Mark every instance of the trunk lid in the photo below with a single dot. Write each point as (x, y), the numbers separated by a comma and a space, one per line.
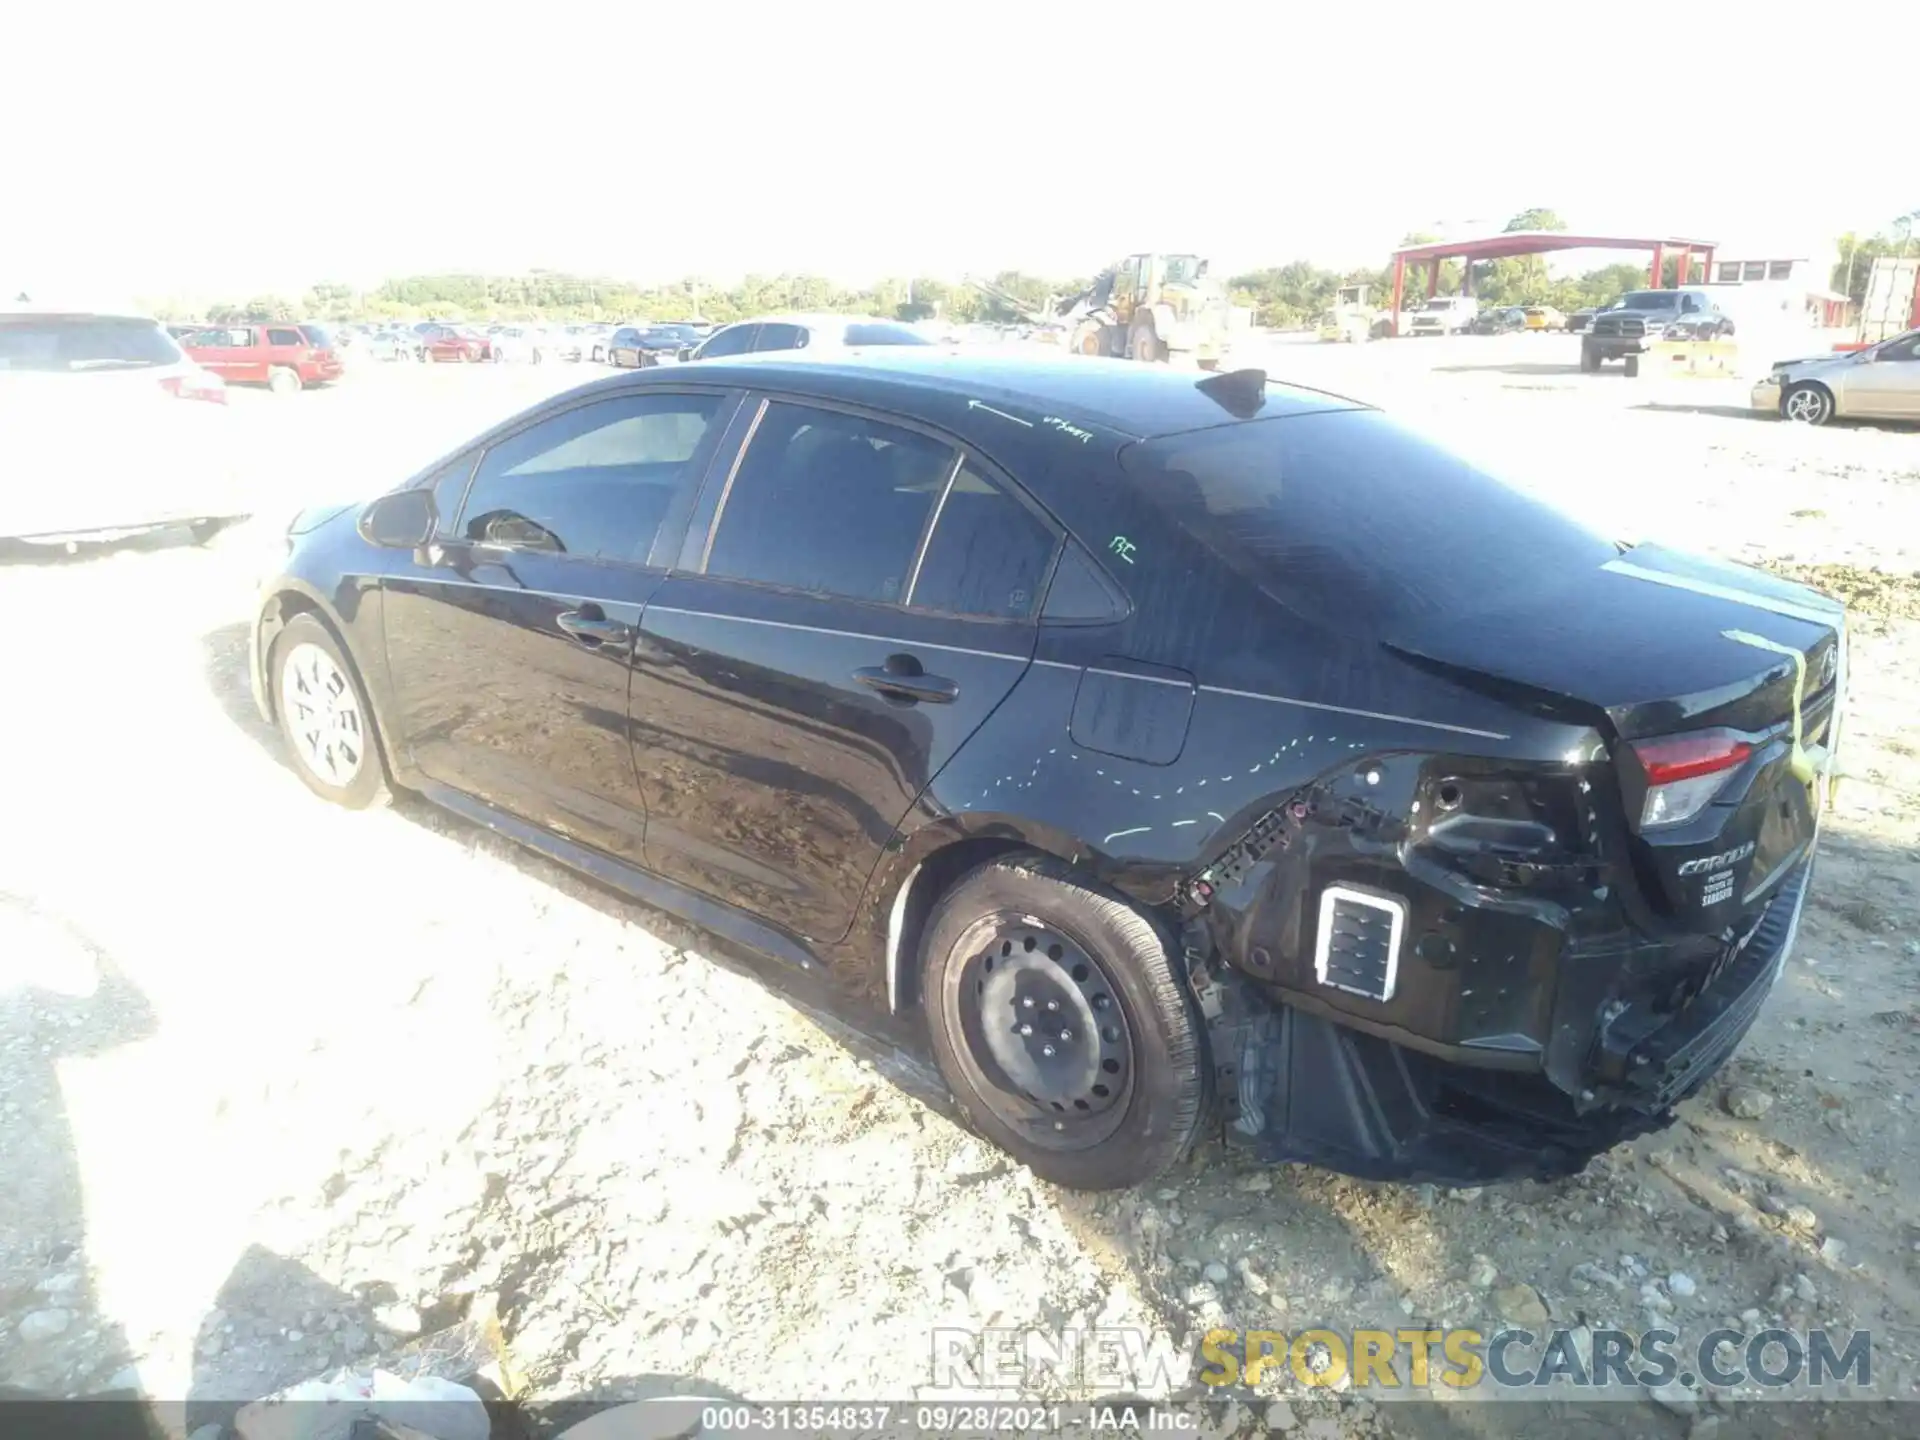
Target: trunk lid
(1663, 644)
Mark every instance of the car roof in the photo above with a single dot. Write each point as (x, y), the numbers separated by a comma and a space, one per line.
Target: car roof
(818, 320)
(1122, 396)
(30, 311)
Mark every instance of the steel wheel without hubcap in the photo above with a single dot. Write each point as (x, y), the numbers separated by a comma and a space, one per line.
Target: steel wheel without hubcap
(323, 716)
(1045, 1041)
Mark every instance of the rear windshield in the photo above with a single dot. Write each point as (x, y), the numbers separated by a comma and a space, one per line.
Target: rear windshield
(84, 342)
(885, 335)
(1353, 520)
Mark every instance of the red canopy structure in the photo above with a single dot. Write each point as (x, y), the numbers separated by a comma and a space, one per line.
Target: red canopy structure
(1540, 242)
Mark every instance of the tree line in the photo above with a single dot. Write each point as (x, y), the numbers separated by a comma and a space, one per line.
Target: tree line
(1283, 297)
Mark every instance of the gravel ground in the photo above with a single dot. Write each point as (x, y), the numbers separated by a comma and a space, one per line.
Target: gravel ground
(279, 1083)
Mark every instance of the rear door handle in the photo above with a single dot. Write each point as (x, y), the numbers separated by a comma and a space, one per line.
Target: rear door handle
(897, 681)
(591, 627)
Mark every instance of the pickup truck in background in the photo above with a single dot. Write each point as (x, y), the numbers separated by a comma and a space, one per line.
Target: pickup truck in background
(285, 358)
(1446, 315)
(1640, 318)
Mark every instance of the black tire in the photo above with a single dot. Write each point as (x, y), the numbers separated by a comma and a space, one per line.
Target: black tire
(1140, 1028)
(1145, 345)
(368, 786)
(1589, 361)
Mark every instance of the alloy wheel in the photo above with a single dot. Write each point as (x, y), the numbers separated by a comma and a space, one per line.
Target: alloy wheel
(1807, 405)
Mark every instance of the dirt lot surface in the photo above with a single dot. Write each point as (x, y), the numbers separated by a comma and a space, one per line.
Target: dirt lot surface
(279, 1082)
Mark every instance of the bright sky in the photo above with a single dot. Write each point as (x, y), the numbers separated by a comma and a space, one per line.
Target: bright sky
(221, 150)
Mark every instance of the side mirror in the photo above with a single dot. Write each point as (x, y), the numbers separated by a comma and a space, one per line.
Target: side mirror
(403, 520)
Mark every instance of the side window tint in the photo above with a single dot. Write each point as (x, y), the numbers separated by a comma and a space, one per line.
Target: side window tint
(1078, 593)
(780, 337)
(829, 503)
(595, 481)
(987, 556)
(285, 337)
(736, 340)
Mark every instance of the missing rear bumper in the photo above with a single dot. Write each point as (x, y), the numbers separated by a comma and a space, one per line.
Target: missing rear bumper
(1303, 1087)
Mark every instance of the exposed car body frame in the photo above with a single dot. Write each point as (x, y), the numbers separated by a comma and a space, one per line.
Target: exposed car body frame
(1226, 763)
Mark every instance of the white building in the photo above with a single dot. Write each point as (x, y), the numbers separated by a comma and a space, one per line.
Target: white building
(1785, 285)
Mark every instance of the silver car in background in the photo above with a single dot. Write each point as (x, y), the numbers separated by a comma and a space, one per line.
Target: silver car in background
(110, 430)
(1881, 382)
(803, 332)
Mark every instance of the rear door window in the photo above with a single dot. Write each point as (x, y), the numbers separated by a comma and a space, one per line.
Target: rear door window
(987, 555)
(285, 337)
(596, 481)
(1353, 520)
(734, 340)
(884, 334)
(780, 337)
(829, 503)
(84, 342)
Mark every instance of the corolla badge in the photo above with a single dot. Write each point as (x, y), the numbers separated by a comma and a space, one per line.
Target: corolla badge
(1718, 862)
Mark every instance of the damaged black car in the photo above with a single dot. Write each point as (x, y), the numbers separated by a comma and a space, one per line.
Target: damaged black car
(1155, 751)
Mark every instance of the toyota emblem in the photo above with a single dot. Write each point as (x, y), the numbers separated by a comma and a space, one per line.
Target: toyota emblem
(1829, 663)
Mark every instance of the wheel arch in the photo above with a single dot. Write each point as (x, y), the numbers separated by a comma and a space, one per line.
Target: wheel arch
(288, 599)
(1833, 397)
(931, 861)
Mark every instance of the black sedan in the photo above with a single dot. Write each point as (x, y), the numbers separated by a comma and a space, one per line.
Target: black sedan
(1139, 744)
(638, 346)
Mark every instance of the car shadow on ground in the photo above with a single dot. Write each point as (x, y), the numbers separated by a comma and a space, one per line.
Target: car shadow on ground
(1748, 412)
(1724, 412)
(1517, 367)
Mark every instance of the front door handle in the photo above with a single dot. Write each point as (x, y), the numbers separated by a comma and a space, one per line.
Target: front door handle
(591, 627)
(901, 679)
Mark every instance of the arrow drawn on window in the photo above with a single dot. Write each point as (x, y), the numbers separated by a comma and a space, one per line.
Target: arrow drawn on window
(982, 405)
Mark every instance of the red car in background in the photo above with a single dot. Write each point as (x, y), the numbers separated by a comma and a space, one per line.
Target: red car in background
(283, 357)
(450, 342)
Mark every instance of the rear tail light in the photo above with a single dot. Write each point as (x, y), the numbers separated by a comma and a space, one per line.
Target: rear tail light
(1685, 772)
(201, 386)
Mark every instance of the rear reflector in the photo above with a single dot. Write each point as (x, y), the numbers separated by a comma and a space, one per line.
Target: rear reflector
(1685, 772)
(1358, 947)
